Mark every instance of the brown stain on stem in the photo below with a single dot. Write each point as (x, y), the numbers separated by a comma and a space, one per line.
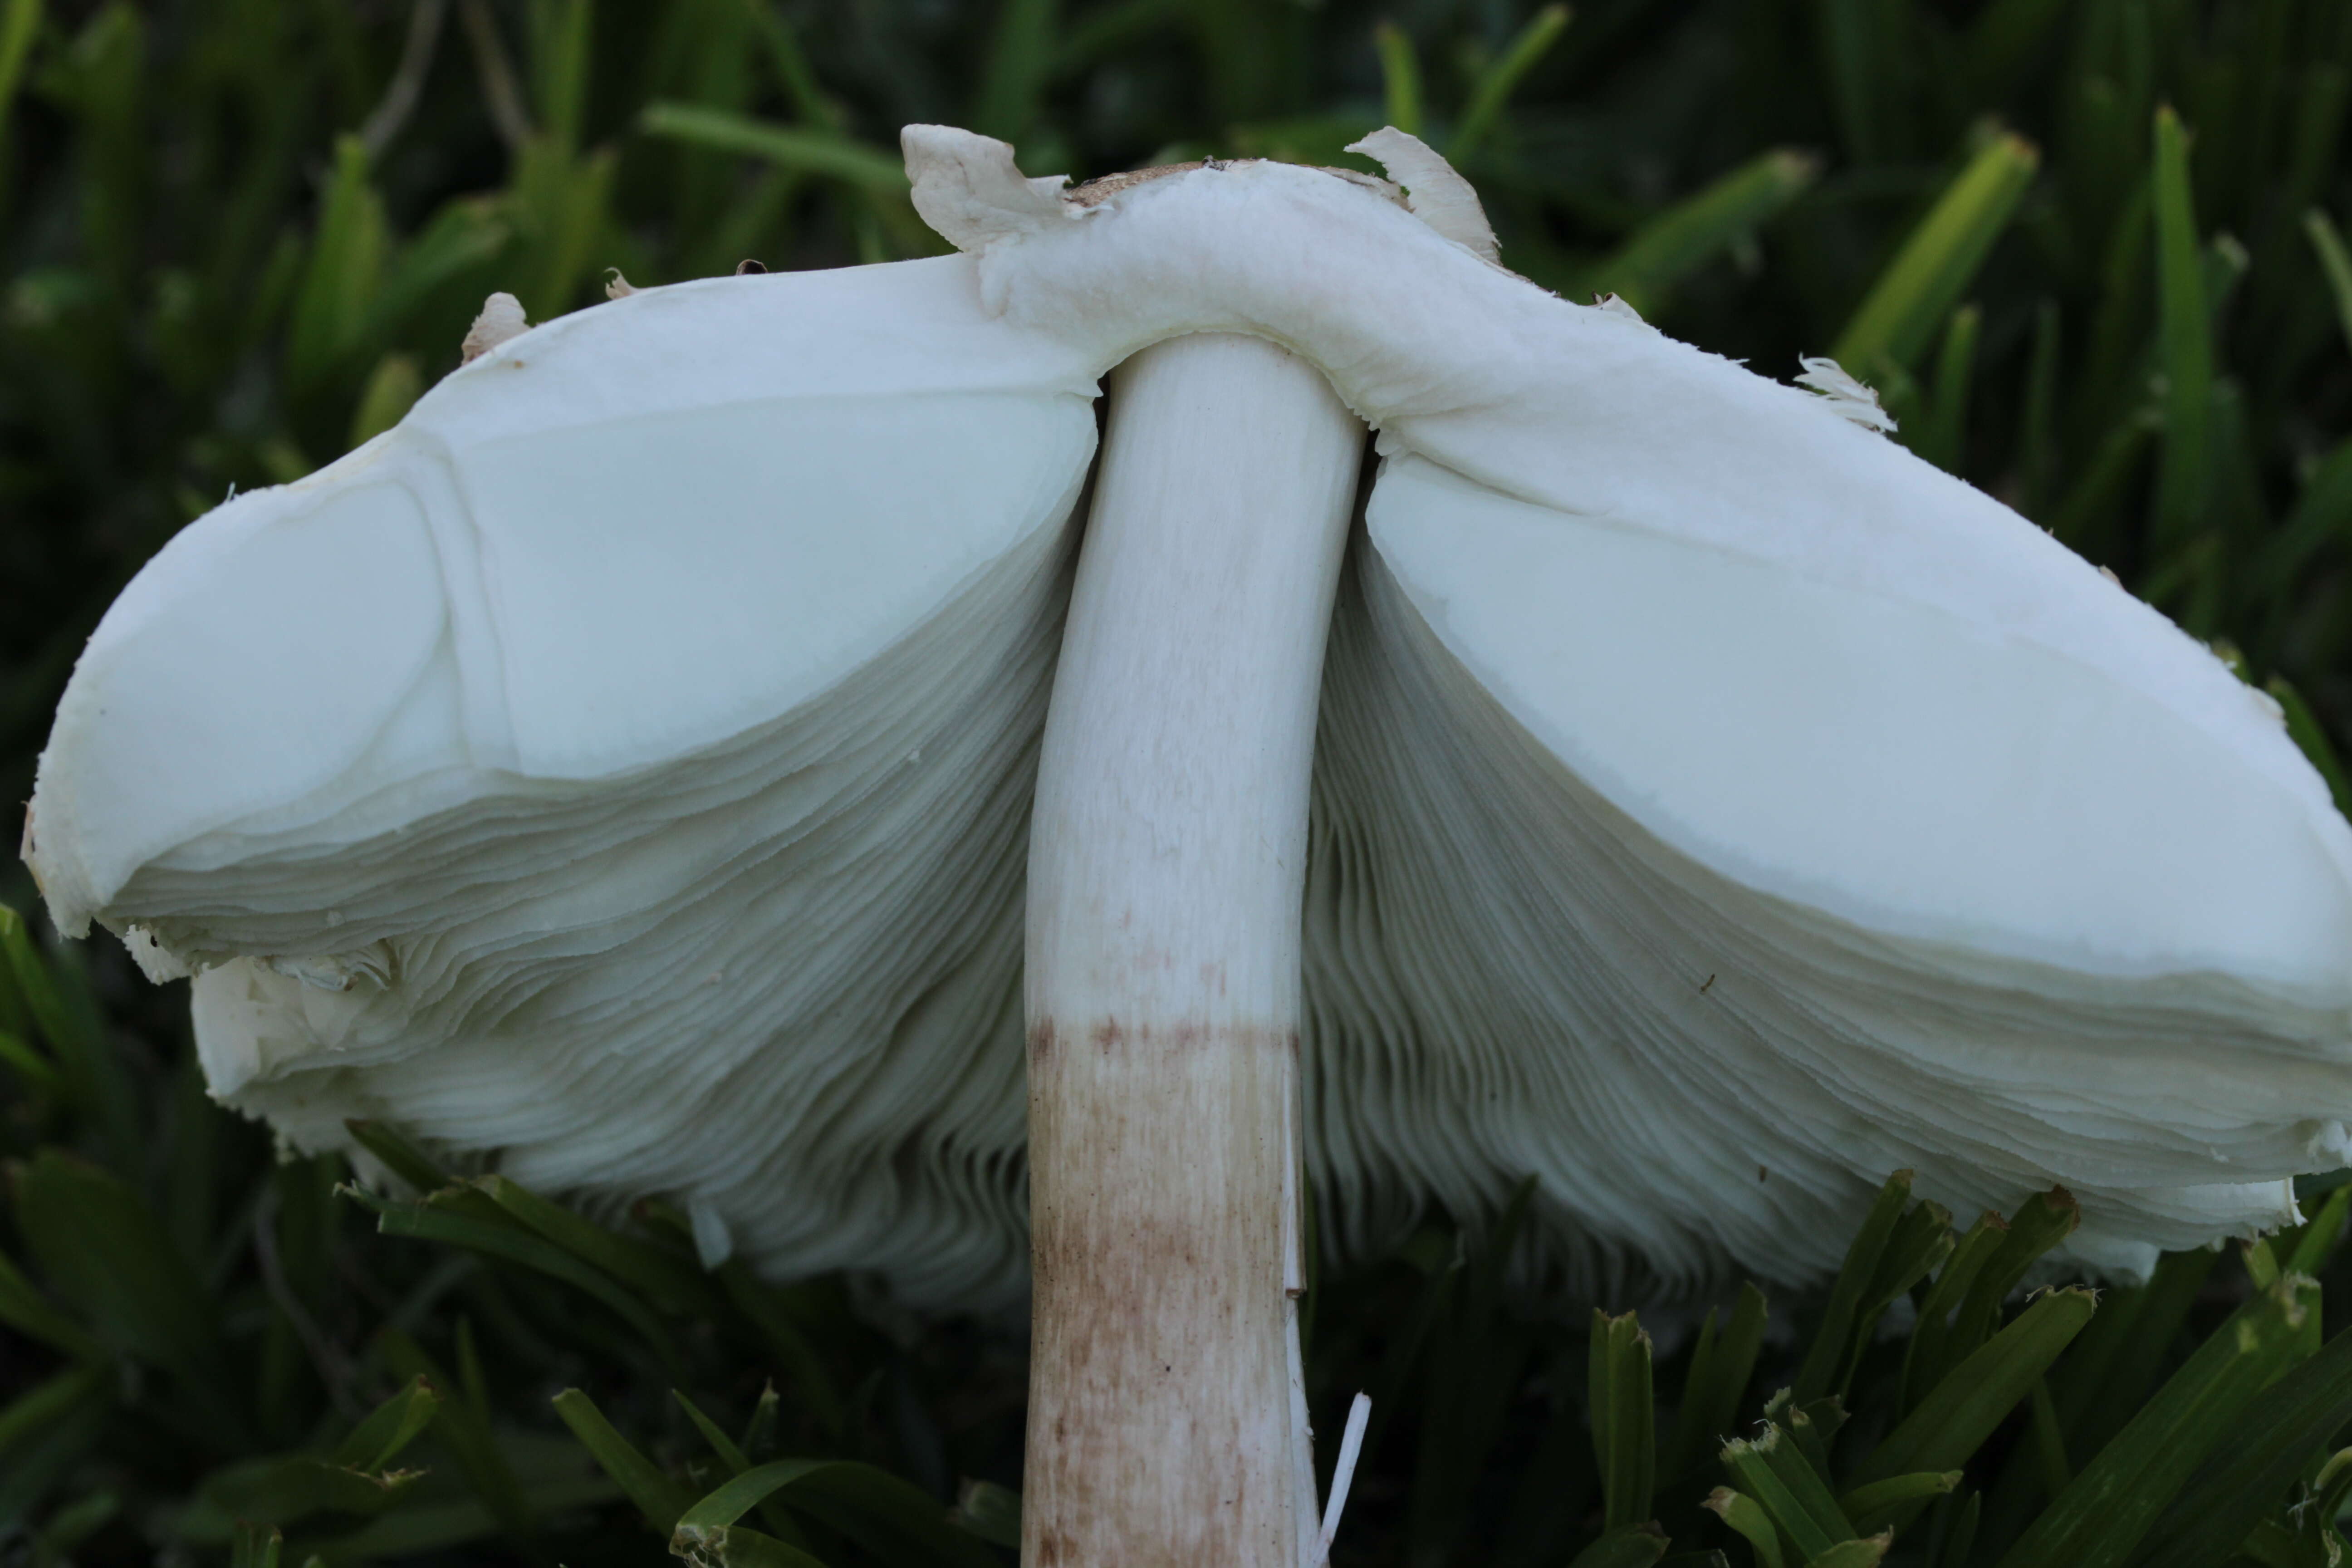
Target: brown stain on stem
(1157, 1194)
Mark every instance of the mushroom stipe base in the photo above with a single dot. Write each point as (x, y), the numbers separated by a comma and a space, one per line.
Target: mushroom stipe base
(1161, 1401)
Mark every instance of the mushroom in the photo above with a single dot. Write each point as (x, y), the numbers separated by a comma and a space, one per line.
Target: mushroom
(1656, 783)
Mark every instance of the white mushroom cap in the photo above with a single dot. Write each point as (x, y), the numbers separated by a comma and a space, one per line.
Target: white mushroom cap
(621, 765)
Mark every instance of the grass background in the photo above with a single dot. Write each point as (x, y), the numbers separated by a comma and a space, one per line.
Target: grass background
(2086, 250)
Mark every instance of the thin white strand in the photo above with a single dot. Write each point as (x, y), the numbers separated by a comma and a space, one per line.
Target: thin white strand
(1343, 1473)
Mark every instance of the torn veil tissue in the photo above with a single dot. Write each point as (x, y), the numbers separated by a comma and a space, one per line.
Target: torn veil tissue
(1848, 397)
(714, 1240)
(501, 320)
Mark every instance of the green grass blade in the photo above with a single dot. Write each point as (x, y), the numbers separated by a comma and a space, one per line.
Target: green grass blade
(1893, 1503)
(1495, 85)
(462, 1425)
(2037, 436)
(2334, 265)
(1799, 1467)
(2322, 516)
(561, 202)
(2226, 263)
(286, 1491)
(399, 1156)
(778, 1522)
(2262, 1264)
(257, 1546)
(462, 242)
(1787, 1513)
(1694, 231)
(759, 1429)
(990, 1512)
(821, 153)
(2100, 1519)
(1622, 1415)
(732, 1546)
(1854, 71)
(1959, 1538)
(2041, 1223)
(421, 1526)
(1020, 57)
(1316, 139)
(2049, 1441)
(1400, 95)
(1923, 1358)
(1942, 436)
(2304, 726)
(2088, 516)
(20, 24)
(562, 31)
(1553, 1497)
(1811, 1427)
(73, 1524)
(69, 1024)
(888, 1518)
(1937, 262)
(792, 66)
(2185, 344)
(346, 263)
(1776, 1473)
(1720, 1372)
(1746, 1516)
(2118, 1357)
(2283, 1431)
(2189, 579)
(2314, 135)
(1955, 1415)
(803, 1369)
(49, 1402)
(2332, 1486)
(661, 1500)
(24, 1308)
(1922, 1241)
(1633, 1546)
(515, 1243)
(669, 1281)
(2324, 1232)
(1826, 1359)
(738, 1496)
(391, 391)
(16, 1012)
(376, 1441)
(98, 1245)
(713, 1433)
(1858, 1553)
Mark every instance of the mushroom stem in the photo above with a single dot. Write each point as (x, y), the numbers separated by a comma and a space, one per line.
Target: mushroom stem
(1167, 1416)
